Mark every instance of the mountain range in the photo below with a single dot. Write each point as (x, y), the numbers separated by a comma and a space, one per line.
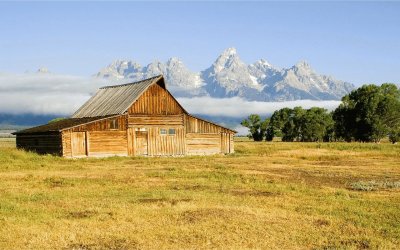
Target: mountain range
(229, 76)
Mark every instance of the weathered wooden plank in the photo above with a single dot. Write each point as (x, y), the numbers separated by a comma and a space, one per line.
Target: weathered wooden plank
(142, 143)
(130, 141)
(203, 135)
(151, 102)
(197, 143)
(87, 143)
(78, 145)
(231, 144)
(149, 120)
(108, 142)
(66, 143)
(165, 144)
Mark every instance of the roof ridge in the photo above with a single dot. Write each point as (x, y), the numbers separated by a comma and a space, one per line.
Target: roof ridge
(131, 83)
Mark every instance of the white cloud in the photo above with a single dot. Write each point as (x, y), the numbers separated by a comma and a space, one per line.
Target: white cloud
(40, 93)
(45, 93)
(237, 107)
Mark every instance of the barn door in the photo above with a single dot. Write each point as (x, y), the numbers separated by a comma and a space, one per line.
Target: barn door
(141, 143)
(78, 143)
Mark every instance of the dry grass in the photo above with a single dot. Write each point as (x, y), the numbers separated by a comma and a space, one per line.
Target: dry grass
(266, 195)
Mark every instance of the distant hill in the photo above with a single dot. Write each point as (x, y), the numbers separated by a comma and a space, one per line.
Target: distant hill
(21, 121)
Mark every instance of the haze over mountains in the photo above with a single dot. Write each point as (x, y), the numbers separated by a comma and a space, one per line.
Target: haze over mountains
(229, 77)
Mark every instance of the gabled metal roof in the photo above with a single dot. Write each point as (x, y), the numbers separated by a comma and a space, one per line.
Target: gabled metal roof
(114, 100)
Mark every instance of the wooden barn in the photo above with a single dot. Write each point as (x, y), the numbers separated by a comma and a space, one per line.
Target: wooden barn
(135, 119)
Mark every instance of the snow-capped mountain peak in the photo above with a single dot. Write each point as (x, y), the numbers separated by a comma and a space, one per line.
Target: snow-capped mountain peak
(227, 59)
(229, 76)
(303, 67)
(264, 63)
(229, 52)
(302, 64)
(119, 69)
(174, 60)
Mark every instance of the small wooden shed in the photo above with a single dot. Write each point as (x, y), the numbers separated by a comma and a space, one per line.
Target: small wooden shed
(135, 119)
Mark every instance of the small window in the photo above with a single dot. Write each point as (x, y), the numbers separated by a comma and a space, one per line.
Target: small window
(114, 124)
(171, 131)
(163, 131)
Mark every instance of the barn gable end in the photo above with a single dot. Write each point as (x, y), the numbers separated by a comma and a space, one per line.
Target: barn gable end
(151, 121)
(156, 101)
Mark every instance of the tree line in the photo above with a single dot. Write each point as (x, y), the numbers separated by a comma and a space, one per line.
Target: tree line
(367, 114)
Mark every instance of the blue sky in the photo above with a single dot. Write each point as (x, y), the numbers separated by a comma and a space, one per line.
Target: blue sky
(357, 41)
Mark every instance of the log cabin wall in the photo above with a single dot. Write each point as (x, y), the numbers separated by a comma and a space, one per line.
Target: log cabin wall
(42, 143)
(203, 143)
(195, 125)
(100, 138)
(104, 143)
(203, 137)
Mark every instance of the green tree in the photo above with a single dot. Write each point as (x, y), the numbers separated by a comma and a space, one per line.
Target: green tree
(278, 120)
(291, 130)
(314, 124)
(394, 135)
(269, 131)
(343, 118)
(306, 125)
(368, 113)
(256, 127)
(329, 135)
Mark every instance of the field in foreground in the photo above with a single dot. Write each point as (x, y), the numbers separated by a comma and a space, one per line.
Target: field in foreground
(266, 195)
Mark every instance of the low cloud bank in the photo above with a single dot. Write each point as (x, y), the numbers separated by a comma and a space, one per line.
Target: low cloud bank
(52, 94)
(237, 107)
(44, 93)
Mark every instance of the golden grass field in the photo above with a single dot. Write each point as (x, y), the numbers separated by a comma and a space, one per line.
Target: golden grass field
(267, 195)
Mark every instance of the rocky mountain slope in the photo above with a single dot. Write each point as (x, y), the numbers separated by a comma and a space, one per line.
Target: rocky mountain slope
(229, 76)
